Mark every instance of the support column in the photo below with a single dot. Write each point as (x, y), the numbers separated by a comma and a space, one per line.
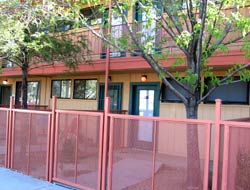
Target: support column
(216, 143)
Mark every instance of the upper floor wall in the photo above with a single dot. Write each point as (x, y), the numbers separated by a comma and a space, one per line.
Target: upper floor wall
(97, 48)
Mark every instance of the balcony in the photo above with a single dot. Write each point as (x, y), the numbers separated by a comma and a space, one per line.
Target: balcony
(96, 53)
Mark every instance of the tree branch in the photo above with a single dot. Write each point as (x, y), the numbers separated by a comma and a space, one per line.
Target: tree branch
(224, 33)
(172, 37)
(199, 46)
(223, 81)
(157, 69)
(236, 39)
(214, 24)
(174, 18)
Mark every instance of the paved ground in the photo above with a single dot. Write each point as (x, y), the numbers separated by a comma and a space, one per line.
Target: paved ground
(11, 180)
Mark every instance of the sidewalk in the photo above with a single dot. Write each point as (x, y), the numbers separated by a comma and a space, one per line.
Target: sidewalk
(11, 180)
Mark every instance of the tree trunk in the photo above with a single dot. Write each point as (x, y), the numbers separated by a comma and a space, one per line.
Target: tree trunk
(24, 84)
(194, 180)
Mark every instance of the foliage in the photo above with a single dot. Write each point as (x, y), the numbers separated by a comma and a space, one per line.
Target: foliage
(195, 31)
(37, 33)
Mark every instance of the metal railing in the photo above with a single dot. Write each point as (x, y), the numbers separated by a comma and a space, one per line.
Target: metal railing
(84, 150)
(78, 148)
(161, 41)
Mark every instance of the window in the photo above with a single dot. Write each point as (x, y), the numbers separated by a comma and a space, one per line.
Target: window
(85, 89)
(61, 88)
(93, 15)
(233, 93)
(148, 33)
(168, 96)
(7, 64)
(33, 93)
(62, 25)
(117, 32)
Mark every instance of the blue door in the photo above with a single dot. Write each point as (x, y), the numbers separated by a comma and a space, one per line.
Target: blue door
(144, 101)
(115, 94)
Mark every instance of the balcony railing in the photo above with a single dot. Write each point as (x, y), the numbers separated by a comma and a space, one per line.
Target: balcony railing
(161, 41)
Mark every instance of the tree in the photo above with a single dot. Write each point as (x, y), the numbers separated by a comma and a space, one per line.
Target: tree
(32, 35)
(197, 30)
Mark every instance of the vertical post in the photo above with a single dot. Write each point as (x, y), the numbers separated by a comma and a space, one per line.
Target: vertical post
(207, 157)
(216, 143)
(29, 143)
(105, 142)
(51, 140)
(76, 150)
(106, 105)
(154, 154)
(12, 134)
(110, 157)
(225, 158)
(8, 132)
(100, 153)
(48, 149)
(108, 52)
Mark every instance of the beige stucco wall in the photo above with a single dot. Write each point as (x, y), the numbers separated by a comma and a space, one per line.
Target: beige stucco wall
(171, 137)
(169, 110)
(43, 86)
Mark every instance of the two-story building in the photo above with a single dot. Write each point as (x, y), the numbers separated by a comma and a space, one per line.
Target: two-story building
(133, 86)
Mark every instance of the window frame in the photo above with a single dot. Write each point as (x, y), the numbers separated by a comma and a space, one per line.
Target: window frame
(91, 12)
(85, 82)
(38, 92)
(51, 95)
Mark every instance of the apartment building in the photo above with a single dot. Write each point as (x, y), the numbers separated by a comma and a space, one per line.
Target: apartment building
(133, 86)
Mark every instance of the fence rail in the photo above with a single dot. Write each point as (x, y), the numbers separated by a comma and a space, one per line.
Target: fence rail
(99, 151)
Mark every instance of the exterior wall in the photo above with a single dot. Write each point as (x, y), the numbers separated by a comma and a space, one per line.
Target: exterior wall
(206, 111)
(170, 110)
(43, 86)
(124, 78)
(71, 103)
(172, 138)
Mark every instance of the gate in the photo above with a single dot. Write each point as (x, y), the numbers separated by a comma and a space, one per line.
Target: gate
(78, 148)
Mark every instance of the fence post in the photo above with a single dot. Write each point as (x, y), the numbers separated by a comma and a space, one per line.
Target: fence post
(105, 143)
(9, 132)
(51, 139)
(216, 143)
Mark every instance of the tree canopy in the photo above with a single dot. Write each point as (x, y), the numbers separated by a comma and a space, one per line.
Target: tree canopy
(36, 34)
(185, 33)
(189, 31)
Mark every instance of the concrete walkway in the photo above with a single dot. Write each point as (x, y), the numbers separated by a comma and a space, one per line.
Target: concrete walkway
(11, 180)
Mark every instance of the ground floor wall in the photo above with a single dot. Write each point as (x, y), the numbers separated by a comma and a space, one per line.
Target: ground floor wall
(166, 109)
(172, 139)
